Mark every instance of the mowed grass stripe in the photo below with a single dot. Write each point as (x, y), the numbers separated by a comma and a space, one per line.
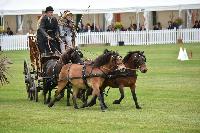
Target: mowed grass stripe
(169, 94)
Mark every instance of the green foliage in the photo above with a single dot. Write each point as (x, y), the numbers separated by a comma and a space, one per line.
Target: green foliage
(168, 93)
(118, 25)
(179, 21)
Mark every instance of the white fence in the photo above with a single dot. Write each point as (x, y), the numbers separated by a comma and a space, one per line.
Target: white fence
(19, 42)
(139, 37)
(15, 42)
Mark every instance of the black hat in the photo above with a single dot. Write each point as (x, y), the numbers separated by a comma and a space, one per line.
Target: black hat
(49, 8)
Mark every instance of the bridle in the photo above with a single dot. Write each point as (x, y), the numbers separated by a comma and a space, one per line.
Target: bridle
(137, 62)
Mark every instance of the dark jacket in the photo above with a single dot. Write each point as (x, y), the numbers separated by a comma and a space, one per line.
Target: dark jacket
(48, 27)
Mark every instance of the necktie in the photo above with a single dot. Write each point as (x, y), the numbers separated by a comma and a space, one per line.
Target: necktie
(50, 19)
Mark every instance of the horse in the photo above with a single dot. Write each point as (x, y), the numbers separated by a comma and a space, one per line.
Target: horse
(88, 76)
(52, 68)
(133, 61)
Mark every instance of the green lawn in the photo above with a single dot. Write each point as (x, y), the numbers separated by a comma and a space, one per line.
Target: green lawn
(169, 94)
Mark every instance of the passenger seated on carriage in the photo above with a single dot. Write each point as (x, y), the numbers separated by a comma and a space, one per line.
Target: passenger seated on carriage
(66, 30)
(48, 33)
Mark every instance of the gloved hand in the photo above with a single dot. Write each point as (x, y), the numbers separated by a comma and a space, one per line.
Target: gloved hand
(49, 38)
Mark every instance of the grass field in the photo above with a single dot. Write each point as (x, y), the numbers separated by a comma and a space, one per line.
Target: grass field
(169, 94)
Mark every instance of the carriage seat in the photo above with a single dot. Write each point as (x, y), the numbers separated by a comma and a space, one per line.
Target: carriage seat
(45, 57)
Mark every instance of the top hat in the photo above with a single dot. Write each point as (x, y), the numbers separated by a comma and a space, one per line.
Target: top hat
(49, 8)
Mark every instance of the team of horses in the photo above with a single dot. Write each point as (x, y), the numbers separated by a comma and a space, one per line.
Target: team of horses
(83, 78)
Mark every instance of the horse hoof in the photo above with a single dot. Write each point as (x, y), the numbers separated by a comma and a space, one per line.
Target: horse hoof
(105, 106)
(68, 104)
(138, 107)
(76, 107)
(103, 110)
(116, 102)
(84, 105)
(91, 104)
(50, 105)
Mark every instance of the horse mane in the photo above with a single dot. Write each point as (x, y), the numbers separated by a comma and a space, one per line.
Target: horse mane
(126, 58)
(65, 57)
(104, 58)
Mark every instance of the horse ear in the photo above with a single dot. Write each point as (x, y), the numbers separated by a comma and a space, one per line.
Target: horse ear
(142, 52)
(105, 51)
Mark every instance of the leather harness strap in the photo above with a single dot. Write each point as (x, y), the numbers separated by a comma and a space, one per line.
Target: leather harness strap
(84, 77)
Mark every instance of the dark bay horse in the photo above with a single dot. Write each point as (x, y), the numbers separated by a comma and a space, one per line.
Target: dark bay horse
(52, 68)
(133, 61)
(88, 76)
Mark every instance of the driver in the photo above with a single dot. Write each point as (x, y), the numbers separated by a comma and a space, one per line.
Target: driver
(48, 33)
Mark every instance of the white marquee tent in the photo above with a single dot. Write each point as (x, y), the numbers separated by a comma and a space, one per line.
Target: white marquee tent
(20, 7)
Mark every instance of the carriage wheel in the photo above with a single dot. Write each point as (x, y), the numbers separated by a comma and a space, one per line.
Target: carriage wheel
(27, 78)
(35, 92)
(30, 83)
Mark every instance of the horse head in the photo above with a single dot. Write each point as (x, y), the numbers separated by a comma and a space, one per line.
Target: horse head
(110, 60)
(73, 55)
(136, 60)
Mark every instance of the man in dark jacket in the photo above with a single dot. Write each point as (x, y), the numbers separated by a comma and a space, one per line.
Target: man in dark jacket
(48, 33)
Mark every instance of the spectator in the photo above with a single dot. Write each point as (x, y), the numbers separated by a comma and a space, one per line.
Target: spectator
(142, 28)
(134, 27)
(30, 32)
(175, 25)
(159, 26)
(170, 26)
(9, 31)
(155, 27)
(87, 28)
(196, 25)
(131, 28)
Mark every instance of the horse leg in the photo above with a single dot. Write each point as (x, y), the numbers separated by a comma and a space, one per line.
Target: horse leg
(121, 90)
(57, 96)
(96, 92)
(49, 96)
(84, 98)
(102, 95)
(74, 98)
(68, 96)
(46, 88)
(45, 92)
(135, 97)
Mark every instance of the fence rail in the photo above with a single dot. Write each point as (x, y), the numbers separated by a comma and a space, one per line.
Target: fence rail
(20, 42)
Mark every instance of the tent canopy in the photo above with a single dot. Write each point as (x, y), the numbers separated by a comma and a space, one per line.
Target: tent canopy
(19, 7)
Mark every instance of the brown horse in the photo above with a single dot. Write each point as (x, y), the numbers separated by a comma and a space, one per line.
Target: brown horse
(52, 68)
(133, 61)
(88, 76)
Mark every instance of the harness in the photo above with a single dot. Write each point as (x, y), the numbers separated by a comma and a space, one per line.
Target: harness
(85, 76)
(117, 74)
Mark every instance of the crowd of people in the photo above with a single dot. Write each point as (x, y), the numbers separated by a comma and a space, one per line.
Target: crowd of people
(132, 27)
(7, 32)
(197, 24)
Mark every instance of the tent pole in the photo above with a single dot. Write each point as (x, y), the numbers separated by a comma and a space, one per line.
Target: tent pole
(2, 17)
(138, 20)
(94, 23)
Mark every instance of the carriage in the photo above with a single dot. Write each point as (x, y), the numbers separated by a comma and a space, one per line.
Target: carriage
(103, 69)
(33, 73)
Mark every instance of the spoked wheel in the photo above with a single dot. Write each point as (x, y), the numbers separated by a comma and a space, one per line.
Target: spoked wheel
(30, 83)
